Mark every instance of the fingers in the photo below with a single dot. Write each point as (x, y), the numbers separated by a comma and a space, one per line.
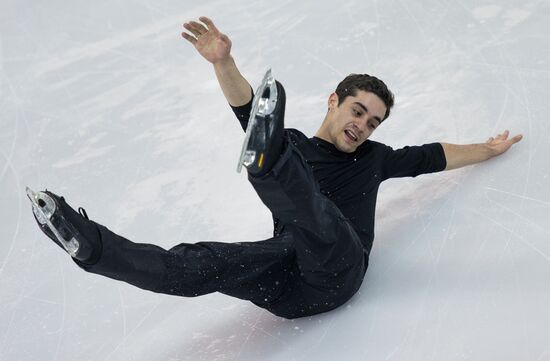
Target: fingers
(199, 29)
(514, 139)
(503, 136)
(209, 23)
(188, 37)
(195, 28)
(517, 138)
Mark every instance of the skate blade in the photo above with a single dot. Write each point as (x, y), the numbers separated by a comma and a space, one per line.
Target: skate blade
(43, 207)
(262, 105)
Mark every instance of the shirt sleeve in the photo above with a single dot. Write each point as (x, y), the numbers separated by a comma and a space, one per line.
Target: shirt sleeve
(243, 112)
(411, 161)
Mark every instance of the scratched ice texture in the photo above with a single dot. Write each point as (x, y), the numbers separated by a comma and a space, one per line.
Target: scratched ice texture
(106, 104)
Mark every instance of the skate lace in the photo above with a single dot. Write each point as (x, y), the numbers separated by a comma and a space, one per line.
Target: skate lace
(83, 213)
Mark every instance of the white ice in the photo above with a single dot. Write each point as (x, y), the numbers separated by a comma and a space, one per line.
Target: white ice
(106, 104)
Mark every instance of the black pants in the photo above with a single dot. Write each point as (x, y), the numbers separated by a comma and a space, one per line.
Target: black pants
(314, 263)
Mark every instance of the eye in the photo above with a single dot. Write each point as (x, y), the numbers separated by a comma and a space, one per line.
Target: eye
(357, 113)
(372, 126)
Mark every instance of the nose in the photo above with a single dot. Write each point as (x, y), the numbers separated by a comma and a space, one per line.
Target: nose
(359, 128)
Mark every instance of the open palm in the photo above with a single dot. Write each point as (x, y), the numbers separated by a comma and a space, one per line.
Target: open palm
(501, 143)
(208, 40)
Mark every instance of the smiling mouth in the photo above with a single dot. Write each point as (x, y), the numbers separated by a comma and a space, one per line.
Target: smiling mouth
(350, 135)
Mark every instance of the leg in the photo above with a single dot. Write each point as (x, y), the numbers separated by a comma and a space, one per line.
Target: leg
(329, 252)
(253, 271)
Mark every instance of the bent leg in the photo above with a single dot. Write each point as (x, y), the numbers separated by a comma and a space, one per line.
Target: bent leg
(254, 271)
(327, 246)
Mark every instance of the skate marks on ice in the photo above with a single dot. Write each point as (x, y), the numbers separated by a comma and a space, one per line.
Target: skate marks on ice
(106, 105)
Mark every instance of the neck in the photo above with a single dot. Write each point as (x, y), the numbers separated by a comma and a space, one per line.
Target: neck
(322, 132)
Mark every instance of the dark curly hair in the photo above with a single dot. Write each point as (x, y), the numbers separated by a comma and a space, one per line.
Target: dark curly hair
(354, 82)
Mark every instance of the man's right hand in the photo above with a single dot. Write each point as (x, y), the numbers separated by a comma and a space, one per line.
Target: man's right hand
(216, 47)
(209, 42)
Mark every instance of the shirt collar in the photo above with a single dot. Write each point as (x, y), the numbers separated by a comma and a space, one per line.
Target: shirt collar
(331, 148)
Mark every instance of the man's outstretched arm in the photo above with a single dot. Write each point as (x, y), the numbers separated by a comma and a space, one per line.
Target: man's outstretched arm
(216, 48)
(462, 155)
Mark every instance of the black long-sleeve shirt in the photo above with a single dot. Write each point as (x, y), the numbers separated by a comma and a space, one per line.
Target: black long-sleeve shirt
(351, 180)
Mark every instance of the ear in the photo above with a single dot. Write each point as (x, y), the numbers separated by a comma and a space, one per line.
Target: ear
(333, 101)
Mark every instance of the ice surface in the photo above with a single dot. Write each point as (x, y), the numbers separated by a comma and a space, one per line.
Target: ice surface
(105, 103)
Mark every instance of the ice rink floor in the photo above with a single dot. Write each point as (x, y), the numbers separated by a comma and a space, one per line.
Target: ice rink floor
(106, 104)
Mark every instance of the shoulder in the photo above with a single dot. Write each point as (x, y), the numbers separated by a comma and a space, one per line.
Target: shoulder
(371, 146)
(296, 135)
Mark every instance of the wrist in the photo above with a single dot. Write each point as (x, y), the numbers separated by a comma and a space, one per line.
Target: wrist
(488, 150)
(224, 62)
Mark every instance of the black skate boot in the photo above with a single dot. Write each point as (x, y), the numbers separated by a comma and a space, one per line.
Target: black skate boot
(264, 134)
(72, 231)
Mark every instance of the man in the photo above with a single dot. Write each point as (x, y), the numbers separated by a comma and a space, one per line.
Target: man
(321, 191)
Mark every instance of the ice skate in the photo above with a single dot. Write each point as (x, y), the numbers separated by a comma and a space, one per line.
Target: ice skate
(264, 133)
(72, 231)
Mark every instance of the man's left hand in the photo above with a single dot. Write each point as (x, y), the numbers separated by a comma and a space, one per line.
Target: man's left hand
(501, 143)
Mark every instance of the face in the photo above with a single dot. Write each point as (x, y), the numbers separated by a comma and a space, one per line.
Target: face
(348, 125)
